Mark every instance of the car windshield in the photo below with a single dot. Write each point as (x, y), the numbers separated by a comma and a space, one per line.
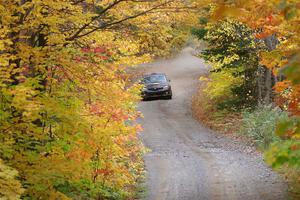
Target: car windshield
(158, 78)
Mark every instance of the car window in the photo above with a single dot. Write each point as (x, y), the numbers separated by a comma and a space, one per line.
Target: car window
(155, 79)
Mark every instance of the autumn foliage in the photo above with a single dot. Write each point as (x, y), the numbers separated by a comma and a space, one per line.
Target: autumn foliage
(68, 108)
(276, 23)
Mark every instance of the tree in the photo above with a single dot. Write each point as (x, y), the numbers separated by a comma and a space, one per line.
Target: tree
(233, 53)
(279, 20)
(67, 106)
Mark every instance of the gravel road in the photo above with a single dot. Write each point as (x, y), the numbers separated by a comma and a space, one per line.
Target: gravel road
(189, 162)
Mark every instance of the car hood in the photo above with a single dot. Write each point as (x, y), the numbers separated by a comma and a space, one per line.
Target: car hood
(155, 85)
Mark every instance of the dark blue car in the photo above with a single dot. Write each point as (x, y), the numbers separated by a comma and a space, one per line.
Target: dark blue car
(156, 85)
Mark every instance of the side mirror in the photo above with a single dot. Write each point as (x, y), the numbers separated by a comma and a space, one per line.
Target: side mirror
(169, 80)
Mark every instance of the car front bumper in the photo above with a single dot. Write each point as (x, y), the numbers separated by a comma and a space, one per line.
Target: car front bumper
(160, 93)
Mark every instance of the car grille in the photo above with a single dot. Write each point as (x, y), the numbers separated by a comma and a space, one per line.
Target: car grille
(155, 89)
(160, 93)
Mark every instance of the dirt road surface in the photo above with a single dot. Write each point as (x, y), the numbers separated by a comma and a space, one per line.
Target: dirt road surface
(190, 162)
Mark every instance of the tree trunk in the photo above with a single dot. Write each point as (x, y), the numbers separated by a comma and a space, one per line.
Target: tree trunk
(268, 87)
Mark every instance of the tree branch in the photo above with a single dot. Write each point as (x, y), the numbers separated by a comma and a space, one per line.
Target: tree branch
(93, 19)
(124, 19)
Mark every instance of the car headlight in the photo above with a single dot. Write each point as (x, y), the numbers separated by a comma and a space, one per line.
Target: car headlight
(144, 89)
(166, 87)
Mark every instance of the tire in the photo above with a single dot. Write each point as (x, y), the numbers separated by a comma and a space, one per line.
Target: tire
(170, 96)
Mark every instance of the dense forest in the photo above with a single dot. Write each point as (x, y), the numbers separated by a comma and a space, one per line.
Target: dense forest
(68, 103)
(255, 64)
(252, 89)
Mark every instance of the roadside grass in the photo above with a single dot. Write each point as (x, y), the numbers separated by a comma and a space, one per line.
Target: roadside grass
(259, 125)
(254, 127)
